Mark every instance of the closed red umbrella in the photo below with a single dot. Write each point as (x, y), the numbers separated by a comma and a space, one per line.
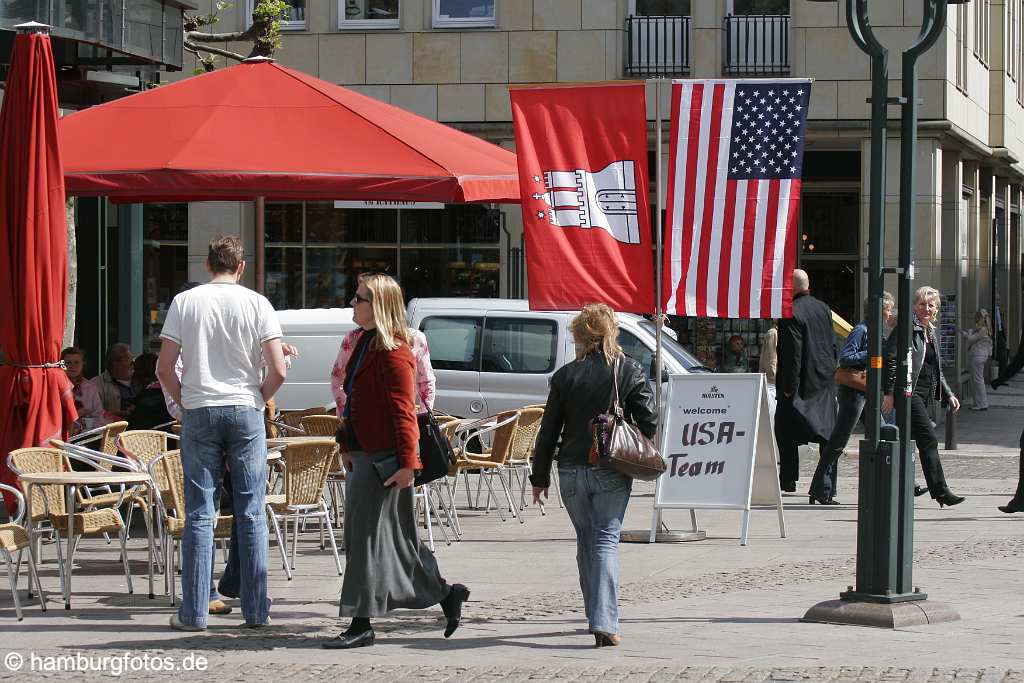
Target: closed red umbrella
(36, 403)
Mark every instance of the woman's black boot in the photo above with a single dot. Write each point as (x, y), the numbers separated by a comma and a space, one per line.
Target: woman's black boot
(948, 498)
(359, 634)
(1016, 503)
(452, 607)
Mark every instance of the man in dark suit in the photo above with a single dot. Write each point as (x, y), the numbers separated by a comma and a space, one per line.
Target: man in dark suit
(805, 388)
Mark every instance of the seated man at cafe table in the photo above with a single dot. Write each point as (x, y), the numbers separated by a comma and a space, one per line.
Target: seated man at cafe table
(114, 384)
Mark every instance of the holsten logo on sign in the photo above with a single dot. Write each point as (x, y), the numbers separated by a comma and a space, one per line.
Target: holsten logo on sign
(713, 392)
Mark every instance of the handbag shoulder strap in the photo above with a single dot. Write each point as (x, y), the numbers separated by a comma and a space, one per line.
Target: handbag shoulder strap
(616, 407)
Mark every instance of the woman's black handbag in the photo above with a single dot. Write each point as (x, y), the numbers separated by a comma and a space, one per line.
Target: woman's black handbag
(621, 446)
(436, 452)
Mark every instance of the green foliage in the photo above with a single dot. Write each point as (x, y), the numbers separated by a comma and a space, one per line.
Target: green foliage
(266, 17)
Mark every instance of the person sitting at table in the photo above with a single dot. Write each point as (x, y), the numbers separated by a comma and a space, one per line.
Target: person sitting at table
(150, 407)
(114, 385)
(87, 399)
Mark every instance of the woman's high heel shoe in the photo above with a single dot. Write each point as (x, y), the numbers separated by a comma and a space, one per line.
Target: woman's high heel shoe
(1013, 506)
(812, 499)
(948, 498)
(606, 639)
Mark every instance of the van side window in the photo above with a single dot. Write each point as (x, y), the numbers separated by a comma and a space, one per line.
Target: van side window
(454, 342)
(635, 349)
(520, 345)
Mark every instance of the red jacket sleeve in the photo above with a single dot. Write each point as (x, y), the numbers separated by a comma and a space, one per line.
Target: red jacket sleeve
(399, 379)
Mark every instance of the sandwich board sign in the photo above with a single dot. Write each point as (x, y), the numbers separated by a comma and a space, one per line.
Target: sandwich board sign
(718, 442)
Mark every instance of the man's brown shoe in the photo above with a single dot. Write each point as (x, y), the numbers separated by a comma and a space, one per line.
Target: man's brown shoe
(219, 607)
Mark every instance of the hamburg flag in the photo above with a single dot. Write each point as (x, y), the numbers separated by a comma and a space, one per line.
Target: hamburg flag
(582, 154)
(735, 164)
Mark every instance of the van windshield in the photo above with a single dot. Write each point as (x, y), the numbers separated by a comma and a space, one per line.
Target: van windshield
(674, 349)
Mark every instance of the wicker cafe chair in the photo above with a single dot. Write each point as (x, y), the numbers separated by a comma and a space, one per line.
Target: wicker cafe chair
(500, 428)
(305, 476)
(289, 422)
(14, 538)
(327, 426)
(47, 504)
(521, 454)
(167, 467)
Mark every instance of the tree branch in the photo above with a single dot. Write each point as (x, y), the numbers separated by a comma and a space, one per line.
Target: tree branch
(195, 49)
(247, 34)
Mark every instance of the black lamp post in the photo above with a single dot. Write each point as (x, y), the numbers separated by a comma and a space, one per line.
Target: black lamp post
(885, 518)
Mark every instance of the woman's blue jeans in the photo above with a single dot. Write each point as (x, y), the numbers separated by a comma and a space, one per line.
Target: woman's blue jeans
(208, 437)
(851, 404)
(596, 499)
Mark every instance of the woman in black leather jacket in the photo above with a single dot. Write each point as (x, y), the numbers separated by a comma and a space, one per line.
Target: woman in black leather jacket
(928, 385)
(595, 497)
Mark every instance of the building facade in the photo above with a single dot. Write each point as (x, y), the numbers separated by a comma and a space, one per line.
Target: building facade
(453, 60)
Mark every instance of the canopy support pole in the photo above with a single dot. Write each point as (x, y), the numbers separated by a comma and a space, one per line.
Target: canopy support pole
(260, 208)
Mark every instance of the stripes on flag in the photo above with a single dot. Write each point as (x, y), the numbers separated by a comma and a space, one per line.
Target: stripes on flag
(734, 191)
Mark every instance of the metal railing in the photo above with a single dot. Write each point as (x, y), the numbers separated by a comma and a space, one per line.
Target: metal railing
(657, 45)
(143, 31)
(757, 44)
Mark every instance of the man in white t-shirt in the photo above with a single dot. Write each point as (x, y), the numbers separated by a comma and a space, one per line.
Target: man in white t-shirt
(223, 333)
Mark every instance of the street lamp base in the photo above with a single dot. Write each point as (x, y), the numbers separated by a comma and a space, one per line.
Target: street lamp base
(644, 536)
(891, 615)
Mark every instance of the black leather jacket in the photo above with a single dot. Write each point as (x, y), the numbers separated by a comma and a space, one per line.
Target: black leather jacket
(942, 390)
(580, 391)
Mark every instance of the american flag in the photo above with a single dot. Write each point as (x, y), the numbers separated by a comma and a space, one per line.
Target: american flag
(735, 164)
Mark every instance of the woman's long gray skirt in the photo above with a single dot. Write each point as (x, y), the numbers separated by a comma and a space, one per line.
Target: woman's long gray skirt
(386, 566)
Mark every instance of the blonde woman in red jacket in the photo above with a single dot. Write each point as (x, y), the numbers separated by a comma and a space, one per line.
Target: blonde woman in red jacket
(386, 566)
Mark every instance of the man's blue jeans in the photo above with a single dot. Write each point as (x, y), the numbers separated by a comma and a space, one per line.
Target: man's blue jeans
(596, 499)
(208, 436)
(851, 404)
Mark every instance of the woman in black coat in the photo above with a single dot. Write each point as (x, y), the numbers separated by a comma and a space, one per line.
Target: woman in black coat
(595, 497)
(928, 385)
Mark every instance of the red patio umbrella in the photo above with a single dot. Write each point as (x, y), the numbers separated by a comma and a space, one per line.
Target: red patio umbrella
(36, 403)
(259, 129)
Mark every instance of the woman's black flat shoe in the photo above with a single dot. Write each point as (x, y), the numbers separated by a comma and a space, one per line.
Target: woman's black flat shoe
(812, 499)
(1013, 506)
(346, 641)
(452, 607)
(948, 498)
(920, 490)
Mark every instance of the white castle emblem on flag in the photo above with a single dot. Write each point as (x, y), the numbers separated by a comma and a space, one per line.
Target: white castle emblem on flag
(604, 199)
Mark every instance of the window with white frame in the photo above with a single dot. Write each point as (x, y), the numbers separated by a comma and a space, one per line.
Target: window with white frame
(464, 13)
(962, 48)
(982, 28)
(369, 14)
(295, 19)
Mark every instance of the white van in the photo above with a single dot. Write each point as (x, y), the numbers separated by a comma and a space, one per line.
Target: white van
(489, 355)
(317, 333)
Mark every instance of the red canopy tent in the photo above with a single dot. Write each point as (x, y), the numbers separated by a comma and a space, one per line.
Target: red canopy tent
(259, 129)
(35, 395)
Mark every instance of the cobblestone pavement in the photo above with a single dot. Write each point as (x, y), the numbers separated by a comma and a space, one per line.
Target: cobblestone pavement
(708, 611)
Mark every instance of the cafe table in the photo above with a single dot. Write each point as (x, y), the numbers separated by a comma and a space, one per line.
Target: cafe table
(71, 481)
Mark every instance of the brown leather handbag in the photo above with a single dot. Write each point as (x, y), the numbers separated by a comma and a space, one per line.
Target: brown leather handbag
(853, 378)
(622, 447)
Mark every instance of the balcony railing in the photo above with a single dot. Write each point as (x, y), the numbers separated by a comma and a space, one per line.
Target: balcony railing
(757, 44)
(657, 45)
(142, 31)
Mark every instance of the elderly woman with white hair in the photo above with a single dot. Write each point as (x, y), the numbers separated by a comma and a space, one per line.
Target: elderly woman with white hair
(927, 385)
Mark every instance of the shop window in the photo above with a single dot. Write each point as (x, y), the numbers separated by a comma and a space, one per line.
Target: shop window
(164, 263)
(464, 13)
(454, 342)
(295, 19)
(450, 271)
(520, 346)
(366, 14)
(315, 251)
